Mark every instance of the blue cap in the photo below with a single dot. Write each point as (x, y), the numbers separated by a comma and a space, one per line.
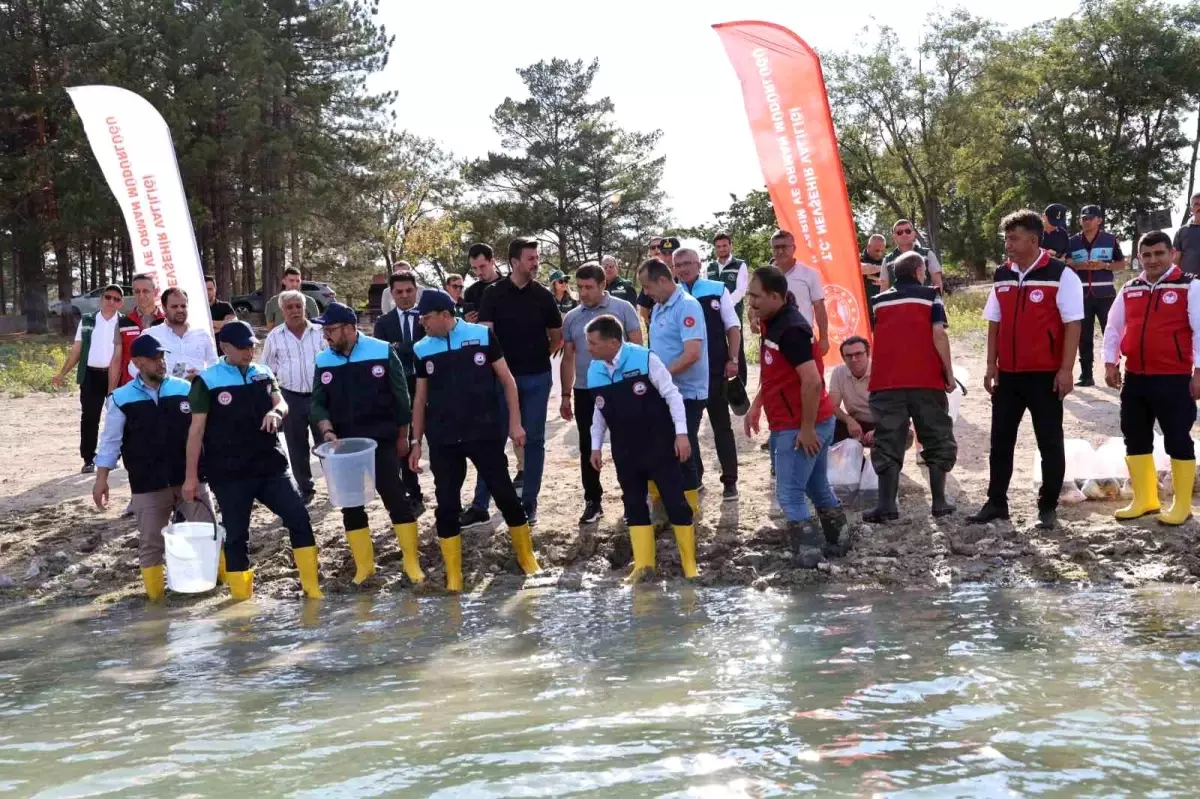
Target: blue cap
(1057, 214)
(238, 334)
(1091, 210)
(434, 300)
(146, 346)
(337, 314)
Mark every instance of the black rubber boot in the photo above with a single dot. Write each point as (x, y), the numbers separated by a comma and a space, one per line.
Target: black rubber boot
(937, 493)
(833, 524)
(988, 513)
(889, 489)
(807, 542)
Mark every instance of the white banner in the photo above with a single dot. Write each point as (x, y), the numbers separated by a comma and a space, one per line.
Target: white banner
(133, 145)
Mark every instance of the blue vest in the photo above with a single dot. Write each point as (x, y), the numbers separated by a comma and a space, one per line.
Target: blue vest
(154, 442)
(463, 398)
(1100, 282)
(708, 293)
(358, 390)
(638, 418)
(235, 445)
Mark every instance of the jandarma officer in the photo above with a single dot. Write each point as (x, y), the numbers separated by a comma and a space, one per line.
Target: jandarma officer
(360, 391)
(460, 374)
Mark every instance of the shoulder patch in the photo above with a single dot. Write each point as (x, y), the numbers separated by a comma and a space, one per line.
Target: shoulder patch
(689, 321)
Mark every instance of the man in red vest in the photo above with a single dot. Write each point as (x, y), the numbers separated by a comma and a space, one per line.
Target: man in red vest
(1153, 324)
(1033, 315)
(909, 381)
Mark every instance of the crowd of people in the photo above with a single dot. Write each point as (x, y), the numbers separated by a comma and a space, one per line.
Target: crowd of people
(451, 374)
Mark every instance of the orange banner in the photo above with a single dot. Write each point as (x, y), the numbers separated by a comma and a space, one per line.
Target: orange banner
(797, 148)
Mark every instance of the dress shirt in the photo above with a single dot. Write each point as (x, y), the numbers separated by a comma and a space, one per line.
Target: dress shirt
(113, 436)
(293, 358)
(104, 334)
(1115, 328)
(660, 378)
(193, 350)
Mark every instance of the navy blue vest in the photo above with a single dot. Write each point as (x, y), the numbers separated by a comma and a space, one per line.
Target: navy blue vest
(638, 418)
(1097, 283)
(235, 445)
(463, 400)
(154, 442)
(358, 390)
(709, 292)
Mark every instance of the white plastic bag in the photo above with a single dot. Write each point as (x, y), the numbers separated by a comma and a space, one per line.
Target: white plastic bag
(955, 398)
(1070, 494)
(1079, 459)
(868, 484)
(845, 463)
(1109, 462)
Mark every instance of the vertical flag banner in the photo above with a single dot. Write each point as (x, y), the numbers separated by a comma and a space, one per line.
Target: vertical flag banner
(793, 133)
(133, 146)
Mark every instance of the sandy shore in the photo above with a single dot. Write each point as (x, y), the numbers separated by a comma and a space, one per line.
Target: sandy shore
(54, 544)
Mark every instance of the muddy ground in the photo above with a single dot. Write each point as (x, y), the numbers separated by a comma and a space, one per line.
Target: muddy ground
(54, 544)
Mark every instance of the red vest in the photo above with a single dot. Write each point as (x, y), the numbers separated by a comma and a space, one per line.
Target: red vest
(1157, 339)
(1031, 328)
(904, 354)
(780, 385)
(129, 335)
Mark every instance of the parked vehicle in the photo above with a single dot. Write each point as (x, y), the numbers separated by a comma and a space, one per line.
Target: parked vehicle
(256, 302)
(90, 302)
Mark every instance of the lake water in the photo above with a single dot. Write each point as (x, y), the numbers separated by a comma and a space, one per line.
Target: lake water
(653, 692)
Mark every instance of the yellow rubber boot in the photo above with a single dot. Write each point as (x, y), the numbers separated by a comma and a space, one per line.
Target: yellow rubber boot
(1144, 480)
(642, 538)
(221, 568)
(652, 488)
(685, 539)
(1183, 476)
(693, 499)
(522, 541)
(306, 564)
(406, 536)
(241, 584)
(363, 551)
(155, 581)
(452, 556)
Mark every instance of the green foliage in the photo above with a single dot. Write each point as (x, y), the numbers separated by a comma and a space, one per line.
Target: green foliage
(30, 365)
(964, 311)
(749, 221)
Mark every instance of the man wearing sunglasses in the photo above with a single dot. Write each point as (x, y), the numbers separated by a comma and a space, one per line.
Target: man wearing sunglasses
(904, 234)
(97, 342)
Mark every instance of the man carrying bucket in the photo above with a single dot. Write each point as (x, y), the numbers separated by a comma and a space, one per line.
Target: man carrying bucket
(360, 391)
(237, 412)
(147, 426)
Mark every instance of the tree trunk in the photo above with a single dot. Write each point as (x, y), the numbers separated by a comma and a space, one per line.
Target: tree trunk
(1187, 215)
(3, 298)
(33, 274)
(62, 267)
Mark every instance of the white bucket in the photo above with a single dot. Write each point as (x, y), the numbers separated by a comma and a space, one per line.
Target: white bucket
(193, 552)
(349, 467)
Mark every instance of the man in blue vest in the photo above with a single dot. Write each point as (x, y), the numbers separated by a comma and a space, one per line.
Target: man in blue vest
(147, 426)
(237, 413)
(1094, 254)
(639, 405)
(461, 372)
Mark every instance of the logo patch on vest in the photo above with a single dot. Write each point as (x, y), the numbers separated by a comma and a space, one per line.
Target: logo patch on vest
(639, 388)
(1036, 295)
(768, 357)
(1134, 293)
(185, 407)
(1002, 289)
(224, 398)
(480, 359)
(715, 305)
(258, 378)
(472, 343)
(429, 367)
(376, 370)
(689, 321)
(600, 403)
(326, 378)
(1170, 297)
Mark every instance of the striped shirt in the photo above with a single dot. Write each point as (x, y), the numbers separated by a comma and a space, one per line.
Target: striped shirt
(292, 358)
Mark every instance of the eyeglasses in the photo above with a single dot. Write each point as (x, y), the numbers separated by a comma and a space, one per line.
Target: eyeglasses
(325, 331)
(859, 354)
(111, 298)
(905, 232)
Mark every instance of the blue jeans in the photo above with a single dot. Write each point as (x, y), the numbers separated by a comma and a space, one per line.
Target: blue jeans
(796, 474)
(533, 395)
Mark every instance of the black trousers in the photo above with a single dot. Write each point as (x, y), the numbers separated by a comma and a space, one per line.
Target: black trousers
(280, 496)
(585, 408)
(1015, 393)
(928, 409)
(92, 393)
(1095, 309)
(390, 490)
(448, 462)
(742, 369)
(718, 416)
(694, 410)
(667, 476)
(412, 483)
(296, 428)
(1166, 399)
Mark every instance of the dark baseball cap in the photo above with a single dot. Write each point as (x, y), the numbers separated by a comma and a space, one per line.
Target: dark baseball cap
(433, 300)
(1091, 210)
(557, 275)
(1057, 214)
(669, 244)
(146, 346)
(238, 334)
(335, 314)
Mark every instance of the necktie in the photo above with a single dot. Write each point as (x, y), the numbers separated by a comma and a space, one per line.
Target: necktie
(406, 327)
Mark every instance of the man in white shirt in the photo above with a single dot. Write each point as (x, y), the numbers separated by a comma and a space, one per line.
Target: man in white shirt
(290, 351)
(804, 283)
(97, 333)
(189, 350)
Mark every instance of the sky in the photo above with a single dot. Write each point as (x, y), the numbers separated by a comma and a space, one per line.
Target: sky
(661, 64)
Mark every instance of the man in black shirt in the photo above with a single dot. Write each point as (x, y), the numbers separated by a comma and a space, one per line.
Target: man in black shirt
(525, 318)
(1055, 238)
(1187, 242)
(220, 311)
(483, 266)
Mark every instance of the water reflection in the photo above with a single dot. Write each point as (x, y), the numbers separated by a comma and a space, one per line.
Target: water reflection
(646, 691)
